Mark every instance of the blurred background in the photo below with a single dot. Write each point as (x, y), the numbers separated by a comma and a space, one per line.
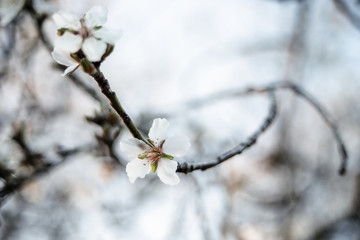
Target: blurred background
(62, 175)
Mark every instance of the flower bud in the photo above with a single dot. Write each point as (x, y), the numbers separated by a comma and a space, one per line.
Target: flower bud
(87, 66)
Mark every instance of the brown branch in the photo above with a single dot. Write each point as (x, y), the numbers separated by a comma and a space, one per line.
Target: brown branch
(270, 88)
(186, 168)
(115, 103)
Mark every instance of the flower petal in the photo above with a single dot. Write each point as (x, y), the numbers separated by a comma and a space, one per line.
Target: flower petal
(66, 20)
(132, 147)
(167, 171)
(106, 35)
(70, 70)
(63, 57)
(96, 16)
(158, 129)
(137, 169)
(93, 49)
(68, 42)
(176, 146)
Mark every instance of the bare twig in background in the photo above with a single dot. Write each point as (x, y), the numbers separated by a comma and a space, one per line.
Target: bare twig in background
(14, 184)
(41, 164)
(186, 167)
(111, 129)
(351, 9)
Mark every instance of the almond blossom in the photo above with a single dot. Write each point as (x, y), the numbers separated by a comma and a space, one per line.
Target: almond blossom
(156, 155)
(85, 36)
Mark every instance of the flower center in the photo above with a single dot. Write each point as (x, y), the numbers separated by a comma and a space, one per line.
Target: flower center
(84, 31)
(152, 154)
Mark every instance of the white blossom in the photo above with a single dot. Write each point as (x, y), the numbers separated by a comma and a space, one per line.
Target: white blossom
(156, 155)
(86, 33)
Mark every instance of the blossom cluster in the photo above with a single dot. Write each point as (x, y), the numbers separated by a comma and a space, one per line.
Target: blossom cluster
(82, 38)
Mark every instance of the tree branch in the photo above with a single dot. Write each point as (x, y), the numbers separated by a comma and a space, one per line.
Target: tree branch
(270, 88)
(186, 168)
(14, 184)
(115, 103)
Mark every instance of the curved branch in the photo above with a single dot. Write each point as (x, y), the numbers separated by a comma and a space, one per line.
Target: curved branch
(186, 168)
(270, 88)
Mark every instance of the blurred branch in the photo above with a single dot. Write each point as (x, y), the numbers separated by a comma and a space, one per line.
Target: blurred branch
(31, 158)
(111, 129)
(270, 88)
(15, 184)
(39, 20)
(351, 9)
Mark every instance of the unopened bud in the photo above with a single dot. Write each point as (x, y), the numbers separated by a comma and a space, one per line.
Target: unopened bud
(108, 51)
(87, 66)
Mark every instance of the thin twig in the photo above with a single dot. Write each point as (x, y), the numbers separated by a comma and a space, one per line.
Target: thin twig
(115, 103)
(326, 117)
(351, 10)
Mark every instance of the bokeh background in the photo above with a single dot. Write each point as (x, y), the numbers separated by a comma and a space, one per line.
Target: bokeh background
(63, 176)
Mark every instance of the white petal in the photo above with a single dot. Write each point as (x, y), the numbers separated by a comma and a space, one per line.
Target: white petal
(63, 57)
(68, 42)
(66, 20)
(106, 35)
(132, 147)
(158, 129)
(69, 70)
(96, 16)
(176, 146)
(137, 169)
(166, 171)
(93, 49)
